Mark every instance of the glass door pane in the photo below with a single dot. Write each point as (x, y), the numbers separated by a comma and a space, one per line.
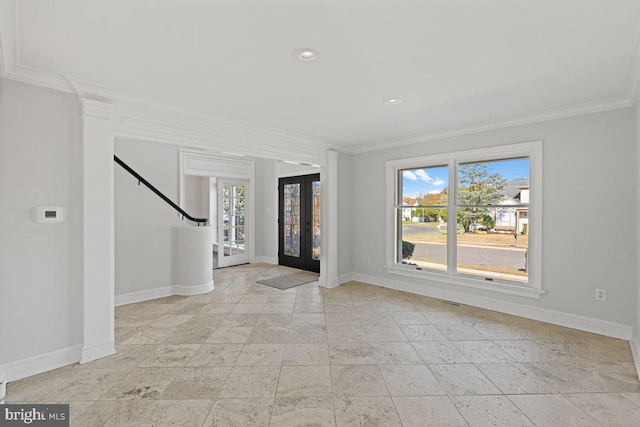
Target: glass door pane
(232, 229)
(292, 220)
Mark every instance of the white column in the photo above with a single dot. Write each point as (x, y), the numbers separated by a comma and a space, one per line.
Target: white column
(329, 222)
(98, 216)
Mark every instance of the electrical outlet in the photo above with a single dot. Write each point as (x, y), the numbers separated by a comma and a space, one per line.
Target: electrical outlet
(366, 259)
(601, 294)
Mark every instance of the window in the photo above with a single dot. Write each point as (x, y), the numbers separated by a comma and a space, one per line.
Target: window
(471, 218)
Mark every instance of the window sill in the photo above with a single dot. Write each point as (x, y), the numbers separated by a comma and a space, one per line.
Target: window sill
(504, 288)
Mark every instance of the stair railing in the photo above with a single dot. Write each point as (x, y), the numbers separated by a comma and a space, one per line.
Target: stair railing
(162, 196)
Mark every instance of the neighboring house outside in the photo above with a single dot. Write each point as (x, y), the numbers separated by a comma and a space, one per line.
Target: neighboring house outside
(513, 219)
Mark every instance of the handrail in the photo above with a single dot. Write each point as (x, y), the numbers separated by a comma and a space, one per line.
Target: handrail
(162, 196)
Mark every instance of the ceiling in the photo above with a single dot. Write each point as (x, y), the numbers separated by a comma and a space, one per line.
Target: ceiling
(454, 63)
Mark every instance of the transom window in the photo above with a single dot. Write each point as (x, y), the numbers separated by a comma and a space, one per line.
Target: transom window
(471, 218)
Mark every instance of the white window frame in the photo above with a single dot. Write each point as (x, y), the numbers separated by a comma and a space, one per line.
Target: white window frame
(532, 150)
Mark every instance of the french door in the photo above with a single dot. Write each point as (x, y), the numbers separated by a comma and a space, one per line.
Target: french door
(299, 222)
(232, 231)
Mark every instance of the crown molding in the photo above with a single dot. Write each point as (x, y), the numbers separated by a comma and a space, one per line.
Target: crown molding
(631, 89)
(8, 36)
(559, 113)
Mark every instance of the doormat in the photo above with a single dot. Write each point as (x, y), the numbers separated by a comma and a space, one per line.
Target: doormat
(289, 280)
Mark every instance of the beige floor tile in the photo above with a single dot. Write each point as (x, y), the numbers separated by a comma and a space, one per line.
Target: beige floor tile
(229, 335)
(369, 319)
(261, 355)
(351, 354)
(526, 351)
(304, 381)
(346, 333)
(308, 335)
(142, 383)
(240, 413)
(268, 320)
(149, 336)
(584, 377)
(399, 306)
(307, 319)
(197, 383)
(303, 411)
(395, 353)
(224, 298)
(513, 378)
(187, 309)
(216, 355)
(205, 320)
(170, 320)
(189, 336)
(609, 409)
(270, 335)
(240, 319)
(633, 397)
(410, 380)
(288, 298)
(278, 307)
(113, 413)
(155, 308)
(306, 354)
(86, 384)
(490, 411)
(251, 381)
(135, 320)
(358, 380)
(126, 357)
(409, 318)
(439, 352)
(436, 411)
(184, 413)
(422, 333)
(254, 299)
(498, 331)
(443, 318)
(217, 308)
(122, 334)
(369, 306)
(170, 356)
(342, 319)
(483, 352)
(35, 388)
(384, 333)
(460, 333)
(462, 379)
(308, 307)
(552, 410)
(366, 411)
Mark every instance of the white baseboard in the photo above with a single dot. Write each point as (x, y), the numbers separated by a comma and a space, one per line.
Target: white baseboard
(34, 365)
(345, 278)
(97, 351)
(140, 296)
(583, 323)
(635, 348)
(265, 259)
(193, 290)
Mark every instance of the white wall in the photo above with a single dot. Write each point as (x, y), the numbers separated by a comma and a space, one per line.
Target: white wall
(144, 223)
(40, 265)
(347, 214)
(266, 210)
(587, 172)
(637, 230)
(196, 196)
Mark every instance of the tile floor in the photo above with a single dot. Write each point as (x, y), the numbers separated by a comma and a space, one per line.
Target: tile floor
(359, 355)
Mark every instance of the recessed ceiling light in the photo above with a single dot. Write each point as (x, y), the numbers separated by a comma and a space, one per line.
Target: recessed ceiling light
(392, 101)
(305, 54)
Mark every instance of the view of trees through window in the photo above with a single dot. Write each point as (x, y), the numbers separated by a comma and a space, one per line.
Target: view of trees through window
(491, 218)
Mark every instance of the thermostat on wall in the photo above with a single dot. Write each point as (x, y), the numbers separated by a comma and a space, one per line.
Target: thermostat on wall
(48, 214)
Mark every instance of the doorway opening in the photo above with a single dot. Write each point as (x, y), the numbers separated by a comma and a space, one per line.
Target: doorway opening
(299, 231)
